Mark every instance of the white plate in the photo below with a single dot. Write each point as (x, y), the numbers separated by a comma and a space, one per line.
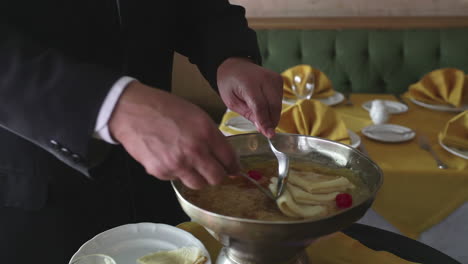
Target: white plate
(392, 106)
(355, 138)
(463, 153)
(336, 98)
(439, 107)
(241, 123)
(388, 133)
(126, 243)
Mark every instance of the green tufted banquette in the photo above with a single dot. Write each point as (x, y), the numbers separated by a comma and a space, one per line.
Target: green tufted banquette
(360, 60)
(358, 54)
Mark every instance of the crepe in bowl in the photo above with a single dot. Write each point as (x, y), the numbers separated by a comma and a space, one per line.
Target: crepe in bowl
(309, 195)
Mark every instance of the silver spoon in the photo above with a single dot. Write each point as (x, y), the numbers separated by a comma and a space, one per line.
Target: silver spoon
(283, 169)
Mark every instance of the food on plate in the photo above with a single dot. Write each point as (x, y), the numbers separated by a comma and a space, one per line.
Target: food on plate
(184, 255)
(312, 192)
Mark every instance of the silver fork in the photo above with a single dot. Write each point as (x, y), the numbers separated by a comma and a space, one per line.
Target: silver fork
(424, 144)
(283, 169)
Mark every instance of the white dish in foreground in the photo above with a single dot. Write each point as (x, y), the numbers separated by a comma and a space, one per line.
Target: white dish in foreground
(389, 133)
(127, 243)
(447, 108)
(462, 153)
(392, 106)
(336, 98)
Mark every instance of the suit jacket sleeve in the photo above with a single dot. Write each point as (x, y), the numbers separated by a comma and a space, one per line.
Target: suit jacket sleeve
(211, 31)
(48, 99)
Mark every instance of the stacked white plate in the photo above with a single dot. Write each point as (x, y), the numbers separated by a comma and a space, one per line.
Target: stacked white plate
(127, 243)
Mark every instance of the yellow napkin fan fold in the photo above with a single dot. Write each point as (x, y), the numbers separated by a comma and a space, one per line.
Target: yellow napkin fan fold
(313, 118)
(323, 87)
(442, 86)
(455, 133)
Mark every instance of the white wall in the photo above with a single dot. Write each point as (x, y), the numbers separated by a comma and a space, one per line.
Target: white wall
(281, 8)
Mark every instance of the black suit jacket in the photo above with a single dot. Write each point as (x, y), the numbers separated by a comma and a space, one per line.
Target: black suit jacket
(59, 58)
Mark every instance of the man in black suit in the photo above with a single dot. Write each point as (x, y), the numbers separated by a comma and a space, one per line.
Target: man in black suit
(83, 124)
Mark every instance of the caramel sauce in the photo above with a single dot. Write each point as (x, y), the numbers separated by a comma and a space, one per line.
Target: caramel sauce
(237, 197)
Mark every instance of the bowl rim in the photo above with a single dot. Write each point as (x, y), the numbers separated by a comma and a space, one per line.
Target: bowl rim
(371, 197)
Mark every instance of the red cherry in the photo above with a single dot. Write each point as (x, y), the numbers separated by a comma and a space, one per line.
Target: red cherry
(256, 175)
(344, 200)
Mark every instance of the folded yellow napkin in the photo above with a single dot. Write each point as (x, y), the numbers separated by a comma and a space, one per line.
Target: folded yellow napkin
(299, 75)
(442, 86)
(455, 133)
(337, 248)
(313, 118)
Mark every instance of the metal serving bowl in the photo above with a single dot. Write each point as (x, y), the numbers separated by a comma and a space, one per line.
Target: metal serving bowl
(254, 241)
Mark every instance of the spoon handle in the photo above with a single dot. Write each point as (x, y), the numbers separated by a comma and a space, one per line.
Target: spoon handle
(283, 168)
(260, 187)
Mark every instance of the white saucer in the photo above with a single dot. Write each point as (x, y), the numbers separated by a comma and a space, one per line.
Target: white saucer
(440, 107)
(126, 243)
(392, 106)
(462, 153)
(388, 133)
(336, 98)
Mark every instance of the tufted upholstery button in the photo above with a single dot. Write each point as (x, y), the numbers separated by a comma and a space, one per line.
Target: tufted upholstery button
(347, 85)
(365, 54)
(266, 54)
(381, 83)
(54, 144)
(299, 54)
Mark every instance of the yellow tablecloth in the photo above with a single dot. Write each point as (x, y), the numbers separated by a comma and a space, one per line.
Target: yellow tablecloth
(416, 194)
(337, 248)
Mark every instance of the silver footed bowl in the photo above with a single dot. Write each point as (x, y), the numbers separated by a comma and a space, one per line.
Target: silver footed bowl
(248, 241)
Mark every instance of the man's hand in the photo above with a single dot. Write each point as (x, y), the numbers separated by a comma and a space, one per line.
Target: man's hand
(171, 138)
(252, 91)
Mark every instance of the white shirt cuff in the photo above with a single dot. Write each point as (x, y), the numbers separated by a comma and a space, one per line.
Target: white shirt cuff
(101, 129)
